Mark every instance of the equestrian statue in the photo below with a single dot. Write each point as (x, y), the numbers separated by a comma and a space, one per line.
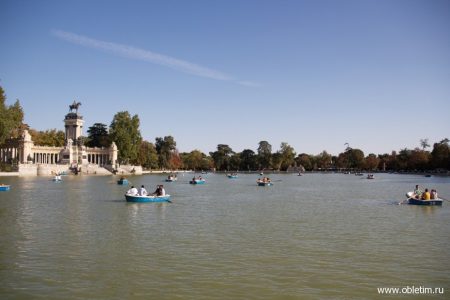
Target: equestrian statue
(75, 106)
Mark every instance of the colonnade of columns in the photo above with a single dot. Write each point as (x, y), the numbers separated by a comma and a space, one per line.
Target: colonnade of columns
(99, 159)
(8, 154)
(45, 158)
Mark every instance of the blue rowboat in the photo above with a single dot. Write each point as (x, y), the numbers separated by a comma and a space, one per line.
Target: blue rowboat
(232, 176)
(171, 179)
(141, 199)
(57, 178)
(197, 181)
(260, 183)
(414, 201)
(122, 182)
(425, 202)
(4, 187)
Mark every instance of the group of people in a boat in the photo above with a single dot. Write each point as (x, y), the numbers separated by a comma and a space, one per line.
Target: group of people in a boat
(160, 191)
(426, 194)
(172, 177)
(264, 180)
(199, 178)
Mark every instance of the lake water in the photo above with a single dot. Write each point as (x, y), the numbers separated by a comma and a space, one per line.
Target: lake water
(317, 236)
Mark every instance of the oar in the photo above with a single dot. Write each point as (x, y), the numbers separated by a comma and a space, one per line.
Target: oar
(443, 198)
(402, 202)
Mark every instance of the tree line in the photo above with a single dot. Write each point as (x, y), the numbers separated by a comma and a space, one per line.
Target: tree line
(163, 154)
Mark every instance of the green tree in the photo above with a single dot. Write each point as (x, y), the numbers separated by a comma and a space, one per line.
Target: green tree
(50, 137)
(98, 136)
(323, 160)
(418, 159)
(165, 147)
(264, 154)
(304, 160)
(248, 160)
(193, 160)
(402, 158)
(355, 158)
(11, 118)
(372, 162)
(221, 157)
(235, 161)
(124, 131)
(440, 155)
(287, 156)
(276, 161)
(147, 156)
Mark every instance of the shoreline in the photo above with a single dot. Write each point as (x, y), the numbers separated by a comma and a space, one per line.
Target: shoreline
(159, 172)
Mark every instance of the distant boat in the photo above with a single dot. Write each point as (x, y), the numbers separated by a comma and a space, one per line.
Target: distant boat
(370, 176)
(197, 181)
(57, 178)
(171, 178)
(4, 187)
(122, 181)
(428, 175)
(414, 201)
(264, 182)
(141, 199)
(232, 176)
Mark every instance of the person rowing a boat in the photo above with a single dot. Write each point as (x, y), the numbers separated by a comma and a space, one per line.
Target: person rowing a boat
(417, 193)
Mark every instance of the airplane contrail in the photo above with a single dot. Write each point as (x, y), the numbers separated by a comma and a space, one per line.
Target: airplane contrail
(145, 55)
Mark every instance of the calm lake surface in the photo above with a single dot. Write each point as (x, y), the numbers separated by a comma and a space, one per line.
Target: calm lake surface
(317, 236)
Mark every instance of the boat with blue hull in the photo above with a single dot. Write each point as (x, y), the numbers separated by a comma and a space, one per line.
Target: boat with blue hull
(57, 178)
(122, 181)
(171, 178)
(425, 202)
(4, 187)
(260, 183)
(232, 176)
(197, 181)
(414, 201)
(142, 199)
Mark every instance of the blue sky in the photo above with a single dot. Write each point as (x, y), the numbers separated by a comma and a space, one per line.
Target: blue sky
(314, 74)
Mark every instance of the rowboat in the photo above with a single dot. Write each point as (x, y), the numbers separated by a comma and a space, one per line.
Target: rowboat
(197, 181)
(122, 181)
(4, 187)
(261, 183)
(141, 199)
(57, 178)
(425, 202)
(171, 178)
(414, 201)
(232, 176)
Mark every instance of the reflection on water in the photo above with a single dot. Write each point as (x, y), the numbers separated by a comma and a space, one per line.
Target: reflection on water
(314, 236)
